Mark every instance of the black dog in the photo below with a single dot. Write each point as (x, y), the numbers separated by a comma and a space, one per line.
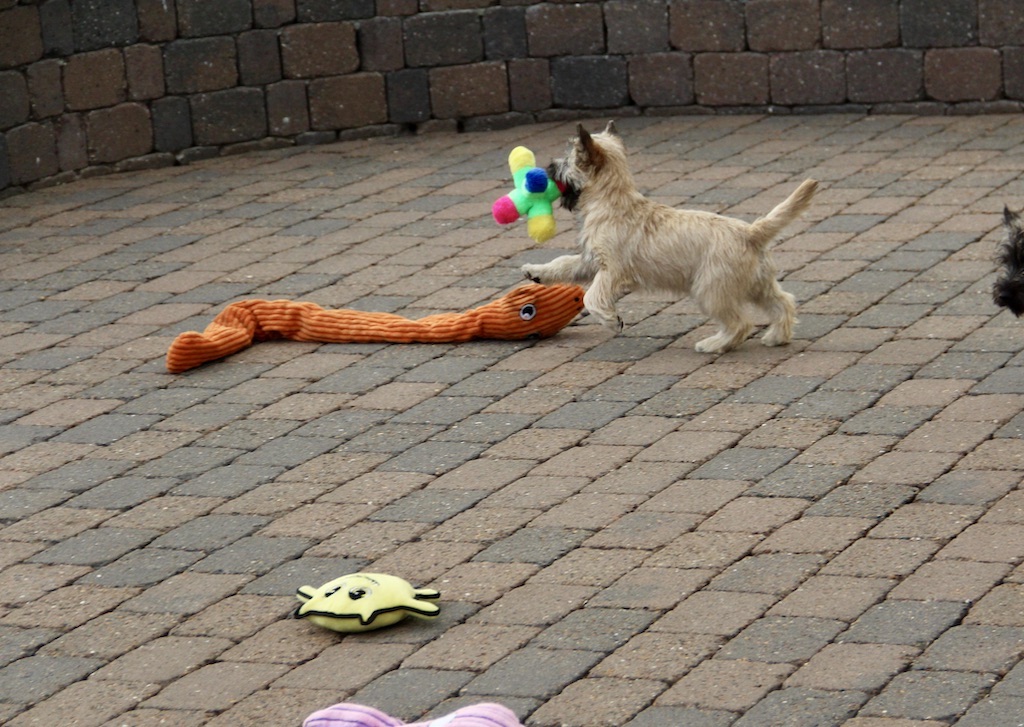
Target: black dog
(1008, 290)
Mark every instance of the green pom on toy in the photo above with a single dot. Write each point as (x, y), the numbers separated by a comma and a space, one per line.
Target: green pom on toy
(533, 196)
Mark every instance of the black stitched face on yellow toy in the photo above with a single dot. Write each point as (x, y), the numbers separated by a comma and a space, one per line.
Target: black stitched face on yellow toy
(364, 601)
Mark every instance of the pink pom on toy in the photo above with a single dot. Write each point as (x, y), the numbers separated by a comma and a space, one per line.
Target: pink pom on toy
(356, 715)
(504, 211)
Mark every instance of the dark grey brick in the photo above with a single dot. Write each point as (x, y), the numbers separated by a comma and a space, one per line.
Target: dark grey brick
(955, 26)
(229, 116)
(430, 505)
(434, 458)
(490, 428)
(994, 712)
(446, 370)
(595, 629)
(895, 420)
(1002, 381)
(123, 492)
(935, 695)
(589, 415)
(689, 716)
(95, 547)
(343, 424)
(590, 82)
(631, 388)
(197, 17)
(355, 379)
(253, 555)
(775, 639)
(505, 33)
(288, 451)
(877, 378)
(408, 93)
(894, 316)
(807, 481)
(775, 573)
(625, 348)
(491, 383)
(57, 26)
(103, 23)
(403, 692)
(210, 532)
(390, 437)
(744, 463)
(318, 11)
(33, 679)
(187, 462)
(864, 500)
(16, 504)
(539, 545)
(145, 567)
(442, 410)
(837, 405)
(801, 707)
(107, 428)
(286, 578)
(679, 402)
(533, 672)
(775, 390)
(443, 39)
(228, 481)
(904, 622)
(16, 642)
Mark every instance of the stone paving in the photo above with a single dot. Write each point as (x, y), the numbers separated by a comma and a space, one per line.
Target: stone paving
(624, 532)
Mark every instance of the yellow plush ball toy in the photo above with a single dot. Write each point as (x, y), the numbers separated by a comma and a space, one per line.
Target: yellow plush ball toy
(365, 601)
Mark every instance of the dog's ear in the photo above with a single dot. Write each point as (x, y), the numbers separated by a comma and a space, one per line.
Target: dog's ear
(611, 129)
(588, 148)
(1012, 221)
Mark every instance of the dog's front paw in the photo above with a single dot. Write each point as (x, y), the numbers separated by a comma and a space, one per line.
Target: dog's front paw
(532, 272)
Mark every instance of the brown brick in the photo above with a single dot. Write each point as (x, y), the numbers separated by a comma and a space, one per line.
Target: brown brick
(259, 60)
(397, 7)
(557, 30)
(880, 76)
(72, 149)
(200, 65)
(730, 79)
(272, 13)
(347, 102)
(529, 86)
(962, 74)
(661, 79)
(380, 44)
(158, 20)
(864, 24)
(94, 80)
(17, 105)
(230, 116)
(118, 133)
(33, 152)
(1000, 22)
(144, 66)
(287, 108)
(319, 49)
(810, 77)
(45, 91)
(21, 36)
(473, 90)
(707, 25)
(774, 25)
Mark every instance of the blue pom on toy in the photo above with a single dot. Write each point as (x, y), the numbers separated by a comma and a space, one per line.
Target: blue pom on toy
(533, 196)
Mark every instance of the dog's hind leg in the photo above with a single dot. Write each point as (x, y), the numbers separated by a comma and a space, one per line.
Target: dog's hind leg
(600, 300)
(733, 330)
(781, 308)
(563, 269)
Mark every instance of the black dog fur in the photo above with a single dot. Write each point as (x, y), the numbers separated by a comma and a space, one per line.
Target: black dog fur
(1008, 290)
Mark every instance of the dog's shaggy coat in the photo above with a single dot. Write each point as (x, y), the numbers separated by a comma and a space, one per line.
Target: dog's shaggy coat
(629, 242)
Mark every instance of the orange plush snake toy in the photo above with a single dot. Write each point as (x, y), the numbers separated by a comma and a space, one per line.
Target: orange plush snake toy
(529, 311)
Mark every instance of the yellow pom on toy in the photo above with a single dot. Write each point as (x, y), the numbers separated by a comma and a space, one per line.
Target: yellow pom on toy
(365, 601)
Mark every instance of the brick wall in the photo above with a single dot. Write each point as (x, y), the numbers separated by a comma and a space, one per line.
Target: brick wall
(92, 86)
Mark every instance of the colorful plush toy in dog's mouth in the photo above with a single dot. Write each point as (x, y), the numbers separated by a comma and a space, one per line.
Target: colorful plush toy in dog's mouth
(533, 196)
(347, 714)
(528, 311)
(365, 601)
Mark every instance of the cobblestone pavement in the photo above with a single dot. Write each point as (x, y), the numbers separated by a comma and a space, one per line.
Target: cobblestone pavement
(624, 532)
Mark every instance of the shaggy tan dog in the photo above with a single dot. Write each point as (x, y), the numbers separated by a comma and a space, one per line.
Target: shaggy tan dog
(629, 242)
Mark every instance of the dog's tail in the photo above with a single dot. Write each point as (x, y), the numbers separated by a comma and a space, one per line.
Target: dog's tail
(763, 229)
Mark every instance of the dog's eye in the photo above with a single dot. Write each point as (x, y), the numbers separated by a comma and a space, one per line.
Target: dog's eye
(528, 311)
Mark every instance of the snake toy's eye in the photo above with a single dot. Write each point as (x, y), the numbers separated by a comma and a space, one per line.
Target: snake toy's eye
(528, 312)
(356, 593)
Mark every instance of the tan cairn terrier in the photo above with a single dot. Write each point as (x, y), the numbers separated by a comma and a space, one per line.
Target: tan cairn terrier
(630, 243)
